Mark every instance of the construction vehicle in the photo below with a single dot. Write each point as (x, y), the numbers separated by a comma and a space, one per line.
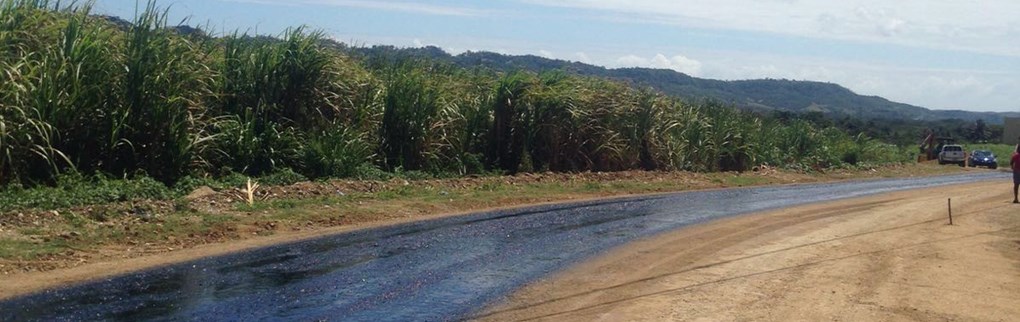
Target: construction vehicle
(931, 146)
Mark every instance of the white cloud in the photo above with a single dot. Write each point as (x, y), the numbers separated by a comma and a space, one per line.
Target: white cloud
(985, 26)
(583, 57)
(413, 7)
(546, 54)
(632, 61)
(678, 63)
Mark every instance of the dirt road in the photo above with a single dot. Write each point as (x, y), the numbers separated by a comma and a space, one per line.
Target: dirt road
(886, 257)
(450, 268)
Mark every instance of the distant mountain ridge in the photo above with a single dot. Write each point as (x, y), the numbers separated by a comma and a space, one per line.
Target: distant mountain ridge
(760, 94)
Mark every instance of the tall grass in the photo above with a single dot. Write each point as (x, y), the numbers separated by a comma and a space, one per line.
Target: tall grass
(337, 152)
(81, 94)
(162, 92)
(509, 128)
(41, 120)
(411, 112)
(550, 143)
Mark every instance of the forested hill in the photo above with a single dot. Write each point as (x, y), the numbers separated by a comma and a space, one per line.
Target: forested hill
(762, 94)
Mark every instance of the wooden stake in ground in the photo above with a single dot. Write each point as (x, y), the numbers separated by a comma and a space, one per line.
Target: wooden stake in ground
(950, 211)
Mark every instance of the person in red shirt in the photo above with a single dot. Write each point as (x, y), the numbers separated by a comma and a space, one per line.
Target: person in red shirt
(1014, 163)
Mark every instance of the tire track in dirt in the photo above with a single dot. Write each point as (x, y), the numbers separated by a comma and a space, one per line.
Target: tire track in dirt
(728, 279)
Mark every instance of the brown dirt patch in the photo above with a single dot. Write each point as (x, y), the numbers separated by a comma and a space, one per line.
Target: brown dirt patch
(889, 257)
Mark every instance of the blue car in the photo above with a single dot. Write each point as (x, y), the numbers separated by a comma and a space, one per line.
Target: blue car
(983, 158)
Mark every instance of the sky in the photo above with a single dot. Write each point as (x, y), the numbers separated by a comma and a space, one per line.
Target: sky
(939, 54)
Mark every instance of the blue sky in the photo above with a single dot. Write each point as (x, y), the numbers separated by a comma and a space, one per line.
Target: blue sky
(937, 54)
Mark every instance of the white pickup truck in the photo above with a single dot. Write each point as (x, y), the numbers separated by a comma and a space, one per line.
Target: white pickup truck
(952, 154)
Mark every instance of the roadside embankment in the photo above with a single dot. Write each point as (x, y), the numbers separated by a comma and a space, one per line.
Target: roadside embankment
(47, 248)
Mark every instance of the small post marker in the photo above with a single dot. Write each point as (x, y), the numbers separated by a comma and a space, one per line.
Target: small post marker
(950, 211)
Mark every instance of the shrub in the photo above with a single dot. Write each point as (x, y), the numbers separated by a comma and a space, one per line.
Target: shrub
(336, 152)
(74, 189)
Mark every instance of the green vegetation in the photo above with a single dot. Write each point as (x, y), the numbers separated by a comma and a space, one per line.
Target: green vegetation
(83, 99)
(76, 190)
(764, 95)
(904, 132)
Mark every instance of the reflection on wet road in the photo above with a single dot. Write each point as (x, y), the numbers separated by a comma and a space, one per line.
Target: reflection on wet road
(441, 269)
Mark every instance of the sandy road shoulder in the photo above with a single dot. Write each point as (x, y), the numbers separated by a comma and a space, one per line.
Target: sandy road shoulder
(887, 257)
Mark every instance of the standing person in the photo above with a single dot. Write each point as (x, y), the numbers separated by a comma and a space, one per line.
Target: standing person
(1014, 163)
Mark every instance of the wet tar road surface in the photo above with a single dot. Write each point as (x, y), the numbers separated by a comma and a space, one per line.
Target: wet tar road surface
(444, 269)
